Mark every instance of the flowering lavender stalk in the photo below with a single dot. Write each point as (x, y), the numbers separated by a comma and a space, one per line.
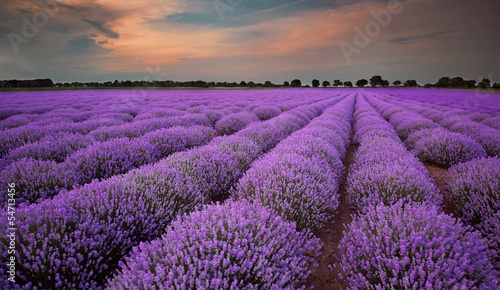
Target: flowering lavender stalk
(234, 245)
(475, 188)
(414, 246)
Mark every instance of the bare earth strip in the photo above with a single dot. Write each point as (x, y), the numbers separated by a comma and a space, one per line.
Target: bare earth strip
(437, 173)
(324, 277)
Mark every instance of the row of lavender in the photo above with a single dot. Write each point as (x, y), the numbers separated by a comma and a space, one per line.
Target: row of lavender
(149, 112)
(401, 238)
(488, 118)
(430, 141)
(474, 181)
(480, 104)
(261, 238)
(487, 137)
(40, 168)
(76, 239)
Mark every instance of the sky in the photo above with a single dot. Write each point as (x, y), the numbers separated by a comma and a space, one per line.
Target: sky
(250, 40)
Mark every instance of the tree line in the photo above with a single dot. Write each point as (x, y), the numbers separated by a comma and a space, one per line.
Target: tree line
(374, 81)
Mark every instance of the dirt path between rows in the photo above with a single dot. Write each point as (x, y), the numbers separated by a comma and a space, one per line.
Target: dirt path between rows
(437, 173)
(324, 277)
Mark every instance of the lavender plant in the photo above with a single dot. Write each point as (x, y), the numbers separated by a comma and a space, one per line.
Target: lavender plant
(414, 246)
(237, 245)
(475, 188)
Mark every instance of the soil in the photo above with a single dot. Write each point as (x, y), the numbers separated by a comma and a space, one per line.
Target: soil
(325, 276)
(437, 173)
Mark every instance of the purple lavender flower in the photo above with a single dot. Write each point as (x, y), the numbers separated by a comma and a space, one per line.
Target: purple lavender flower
(232, 123)
(294, 186)
(35, 180)
(234, 245)
(265, 112)
(53, 147)
(414, 246)
(103, 160)
(475, 188)
(445, 148)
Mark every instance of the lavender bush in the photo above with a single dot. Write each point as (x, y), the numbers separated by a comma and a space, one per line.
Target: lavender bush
(103, 160)
(265, 112)
(55, 147)
(171, 140)
(414, 246)
(294, 186)
(235, 245)
(389, 184)
(233, 123)
(445, 148)
(35, 180)
(475, 188)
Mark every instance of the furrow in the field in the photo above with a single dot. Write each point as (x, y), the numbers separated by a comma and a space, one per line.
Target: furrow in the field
(326, 276)
(249, 242)
(400, 226)
(76, 239)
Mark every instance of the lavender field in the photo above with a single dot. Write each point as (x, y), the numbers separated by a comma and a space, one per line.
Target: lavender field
(250, 189)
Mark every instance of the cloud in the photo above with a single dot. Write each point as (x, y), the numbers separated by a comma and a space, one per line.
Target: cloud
(101, 26)
(184, 59)
(413, 38)
(83, 44)
(193, 18)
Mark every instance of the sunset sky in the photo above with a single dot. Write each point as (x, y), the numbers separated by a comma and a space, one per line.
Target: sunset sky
(234, 40)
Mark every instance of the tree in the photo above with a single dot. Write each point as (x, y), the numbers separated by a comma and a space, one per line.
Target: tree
(337, 83)
(470, 84)
(326, 84)
(496, 86)
(457, 82)
(251, 84)
(375, 81)
(411, 83)
(396, 83)
(296, 83)
(243, 84)
(268, 84)
(484, 84)
(443, 82)
(286, 84)
(361, 83)
(385, 83)
(315, 83)
(348, 84)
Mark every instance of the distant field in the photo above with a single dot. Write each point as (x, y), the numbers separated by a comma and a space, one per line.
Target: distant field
(256, 189)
